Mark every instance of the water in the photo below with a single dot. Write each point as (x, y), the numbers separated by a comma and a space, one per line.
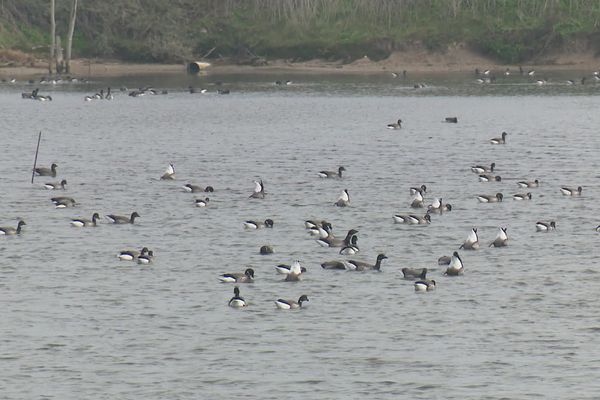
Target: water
(521, 323)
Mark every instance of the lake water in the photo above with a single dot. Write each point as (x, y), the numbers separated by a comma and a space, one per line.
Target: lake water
(522, 322)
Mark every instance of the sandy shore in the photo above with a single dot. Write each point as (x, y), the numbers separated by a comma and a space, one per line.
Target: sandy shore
(457, 59)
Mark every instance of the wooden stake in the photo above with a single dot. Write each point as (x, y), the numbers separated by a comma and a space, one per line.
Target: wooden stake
(36, 154)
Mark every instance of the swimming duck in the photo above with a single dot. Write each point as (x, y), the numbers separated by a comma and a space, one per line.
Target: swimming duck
(290, 304)
(395, 125)
(169, 173)
(352, 248)
(417, 200)
(121, 219)
(246, 277)
(285, 269)
(412, 273)
(259, 190)
(490, 199)
(424, 285)
(412, 219)
(545, 226)
(146, 258)
(522, 196)
(529, 184)
(322, 231)
(499, 140)
(501, 239)
(438, 206)
(332, 241)
(353, 265)
(130, 255)
(456, 265)
(343, 200)
(9, 230)
(56, 185)
(451, 120)
(489, 178)
(332, 174)
(257, 225)
(202, 202)
(480, 169)
(421, 190)
(570, 191)
(43, 171)
(265, 250)
(236, 301)
(472, 241)
(81, 222)
(197, 189)
(63, 202)
(295, 272)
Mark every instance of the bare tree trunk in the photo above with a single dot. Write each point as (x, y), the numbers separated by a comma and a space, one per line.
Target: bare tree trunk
(70, 36)
(60, 63)
(52, 36)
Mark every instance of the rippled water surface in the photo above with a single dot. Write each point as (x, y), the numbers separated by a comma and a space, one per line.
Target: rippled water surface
(522, 322)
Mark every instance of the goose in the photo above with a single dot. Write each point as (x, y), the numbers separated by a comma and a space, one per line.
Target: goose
(130, 255)
(413, 219)
(541, 226)
(501, 239)
(417, 200)
(499, 140)
(283, 304)
(412, 273)
(451, 120)
(438, 206)
(444, 260)
(43, 171)
(490, 199)
(265, 250)
(332, 174)
(528, 184)
(424, 285)
(350, 249)
(353, 265)
(285, 269)
(333, 265)
(472, 241)
(414, 190)
(522, 196)
(202, 202)
(9, 230)
(82, 222)
(257, 225)
(56, 185)
(63, 202)
(456, 265)
(332, 241)
(295, 272)
(146, 258)
(490, 178)
(236, 277)
(480, 169)
(121, 219)
(343, 200)
(259, 190)
(570, 191)
(395, 125)
(197, 189)
(236, 301)
(169, 173)
(321, 232)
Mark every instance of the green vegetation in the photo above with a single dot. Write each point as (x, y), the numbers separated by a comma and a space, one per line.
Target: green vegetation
(165, 31)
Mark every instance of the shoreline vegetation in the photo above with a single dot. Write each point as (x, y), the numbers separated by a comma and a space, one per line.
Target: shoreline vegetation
(350, 36)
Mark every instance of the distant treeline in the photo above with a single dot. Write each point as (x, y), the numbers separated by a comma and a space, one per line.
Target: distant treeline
(175, 30)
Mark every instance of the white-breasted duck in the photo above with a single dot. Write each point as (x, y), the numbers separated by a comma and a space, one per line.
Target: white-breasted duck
(251, 224)
(542, 226)
(570, 191)
(9, 230)
(412, 219)
(56, 185)
(499, 140)
(354, 265)
(343, 200)
(201, 202)
(456, 266)
(83, 222)
(501, 239)
(237, 301)
(352, 248)
(238, 277)
(285, 269)
(295, 272)
(197, 189)
(424, 285)
(483, 198)
(169, 173)
(481, 169)
(130, 255)
(522, 196)
(146, 258)
(284, 304)
(395, 125)
(332, 241)
(63, 202)
(414, 190)
(332, 174)
(472, 241)
(528, 184)
(259, 190)
(121, 219)
(489, 178)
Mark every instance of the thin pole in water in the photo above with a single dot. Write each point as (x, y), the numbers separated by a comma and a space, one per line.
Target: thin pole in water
(36, 154)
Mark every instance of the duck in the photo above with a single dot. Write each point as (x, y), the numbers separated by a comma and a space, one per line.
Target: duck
(480, 169)
(472, 241)
(202, 202)
(499, 140)
(295, 272)
(82, 222)
(332, 241)
(541, 226)
(283, 304)
(417, 200)
(350, 249)
(424, 285)
(490, 199)
(421, 190)
(522, 196)
(121, 219)
(395, 125)
(411, 273)
(451, 120)
(169, 173)
(236, 277)
(438, 206)
(332, 174)
(321, 231)
(259, 190)
(146, 258)
(197, 189)
(412, 219)
(501, 239)
(265, 250)
(63, 202)
(237, 301)
(490, 178)
(56, 185)
(570, 191)
(43, 171)
(333, 265)
(130, 255)
(343, 200)
(285, 269)
(528, 184)
(456, 265)
(353, 265)
(257, 225)
(9, 230)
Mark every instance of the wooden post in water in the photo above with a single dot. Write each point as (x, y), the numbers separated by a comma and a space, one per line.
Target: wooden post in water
(37, 149)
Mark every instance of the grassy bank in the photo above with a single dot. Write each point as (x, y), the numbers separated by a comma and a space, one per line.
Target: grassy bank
(510, 31)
